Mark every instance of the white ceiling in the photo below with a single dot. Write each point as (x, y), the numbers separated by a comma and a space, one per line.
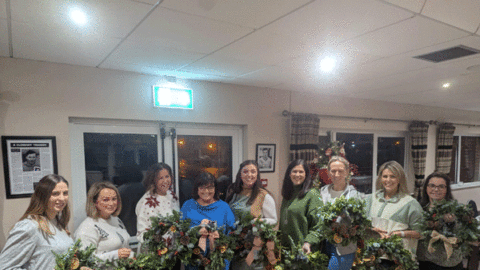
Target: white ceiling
(263, 43)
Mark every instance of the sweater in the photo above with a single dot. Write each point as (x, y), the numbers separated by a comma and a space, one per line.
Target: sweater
(27, 248)
(107, 235)
(299, 219)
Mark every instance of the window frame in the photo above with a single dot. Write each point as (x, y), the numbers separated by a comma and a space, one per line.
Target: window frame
(456, 183)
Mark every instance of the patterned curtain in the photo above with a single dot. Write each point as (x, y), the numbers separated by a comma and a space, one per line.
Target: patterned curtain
(304, 136)
(419, 138)
(443, 161)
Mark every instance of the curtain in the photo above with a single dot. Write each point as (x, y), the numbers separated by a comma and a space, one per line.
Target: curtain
(443, 161)
(419, 139)
(304, 136)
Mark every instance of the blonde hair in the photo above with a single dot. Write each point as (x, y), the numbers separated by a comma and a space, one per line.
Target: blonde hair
(345, 163)
(92, 198)
(37, 209)
(399, 173)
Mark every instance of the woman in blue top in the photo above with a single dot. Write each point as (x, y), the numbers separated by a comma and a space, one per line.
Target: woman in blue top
(206, 205)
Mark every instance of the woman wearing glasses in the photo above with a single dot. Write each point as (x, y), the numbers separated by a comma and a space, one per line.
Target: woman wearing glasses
(246, 195)
(435, 190)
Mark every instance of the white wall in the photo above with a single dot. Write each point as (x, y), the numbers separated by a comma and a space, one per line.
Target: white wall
(49, 94)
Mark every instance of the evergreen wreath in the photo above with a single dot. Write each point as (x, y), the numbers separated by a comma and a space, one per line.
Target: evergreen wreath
(222, 249)
(170, 239)
(248, 230)
(76, 257)
(294, 258)
(452, 220)
(369, 257)
(344, 221)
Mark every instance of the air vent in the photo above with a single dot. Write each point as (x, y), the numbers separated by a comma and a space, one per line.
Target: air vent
(448, 54)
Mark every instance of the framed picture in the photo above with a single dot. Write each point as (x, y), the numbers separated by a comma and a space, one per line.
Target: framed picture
(265, 157)
(26, 160)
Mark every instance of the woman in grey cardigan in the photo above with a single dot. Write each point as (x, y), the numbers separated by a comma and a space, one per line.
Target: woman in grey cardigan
(341, 257)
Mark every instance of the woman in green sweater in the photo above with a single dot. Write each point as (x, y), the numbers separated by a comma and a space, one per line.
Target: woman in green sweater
(298, 214)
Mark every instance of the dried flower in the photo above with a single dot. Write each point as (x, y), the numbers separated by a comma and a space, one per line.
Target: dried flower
(185, 240)
(196, 251)
(162, 251)
(173, 229)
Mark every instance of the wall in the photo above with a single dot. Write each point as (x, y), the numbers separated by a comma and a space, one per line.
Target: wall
(47, 95)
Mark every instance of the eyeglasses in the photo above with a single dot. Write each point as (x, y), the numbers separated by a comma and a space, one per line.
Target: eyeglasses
(207, 188)
(439, 187)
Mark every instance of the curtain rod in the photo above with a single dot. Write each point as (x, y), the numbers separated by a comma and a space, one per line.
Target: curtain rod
(286, 113)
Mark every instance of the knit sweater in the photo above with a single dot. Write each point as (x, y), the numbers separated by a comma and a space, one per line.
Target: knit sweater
(298, 218)
(27, 248)
(107, 235)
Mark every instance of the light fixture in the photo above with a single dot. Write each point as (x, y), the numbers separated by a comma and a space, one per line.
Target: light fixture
(78, 16)
(327, 64)
(181, 142)
(446, 85)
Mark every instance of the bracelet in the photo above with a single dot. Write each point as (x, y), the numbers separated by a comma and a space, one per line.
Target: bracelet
(402, 233)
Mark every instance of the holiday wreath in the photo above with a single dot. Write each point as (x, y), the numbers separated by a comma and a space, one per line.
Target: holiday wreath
(369, 258)
(450, 225)
(170, 239)
(255, 236)
(76, 257)
(344, 221)
(294, 258)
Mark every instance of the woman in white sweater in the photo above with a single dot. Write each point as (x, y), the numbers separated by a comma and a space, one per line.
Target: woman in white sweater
(102, 228)
(158, 200)
(341, 258)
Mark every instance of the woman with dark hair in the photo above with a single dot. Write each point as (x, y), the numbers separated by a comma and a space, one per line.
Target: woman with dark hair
(341, 257)
(246, 195)
(392, 210)
(436, 189)
(102, 228)
(298, 213)
(207, 207)
(158, 200)
(41, 230)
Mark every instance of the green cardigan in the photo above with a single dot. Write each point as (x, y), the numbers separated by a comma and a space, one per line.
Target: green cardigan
(299, 220)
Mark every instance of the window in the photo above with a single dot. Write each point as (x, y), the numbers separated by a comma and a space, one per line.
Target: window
(369, 151)
(465, 159)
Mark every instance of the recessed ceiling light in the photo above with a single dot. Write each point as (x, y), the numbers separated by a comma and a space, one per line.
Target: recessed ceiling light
(446, 85)
(78, 16)
(327, 64)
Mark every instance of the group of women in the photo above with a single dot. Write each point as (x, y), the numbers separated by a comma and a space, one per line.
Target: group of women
(43, 227)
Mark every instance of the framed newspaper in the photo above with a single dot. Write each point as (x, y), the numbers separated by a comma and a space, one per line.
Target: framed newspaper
(26, 159)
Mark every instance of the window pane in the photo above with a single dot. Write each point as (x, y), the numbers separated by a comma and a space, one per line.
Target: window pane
(359, 151)
(453, 168)
(204, 153)
(390, 148)
(121, 159)
(469, 159)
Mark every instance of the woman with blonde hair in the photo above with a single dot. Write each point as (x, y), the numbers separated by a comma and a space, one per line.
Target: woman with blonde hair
(392, 210)
(102, 227)
(41, 230)
(341, 258)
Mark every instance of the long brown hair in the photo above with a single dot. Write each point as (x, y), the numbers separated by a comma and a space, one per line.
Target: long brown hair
(149, 182)
(37, 210)
(288, 187)
(237, 186)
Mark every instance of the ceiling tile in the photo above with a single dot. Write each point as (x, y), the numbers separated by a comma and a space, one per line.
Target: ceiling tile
(405, 36)
(144, 52)
(55, 45)
(253, 14)
(213, 65)
(412, 5)
(107, 18)
(188, 32)
(326, 23)
(463, 14)
(4, 51)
